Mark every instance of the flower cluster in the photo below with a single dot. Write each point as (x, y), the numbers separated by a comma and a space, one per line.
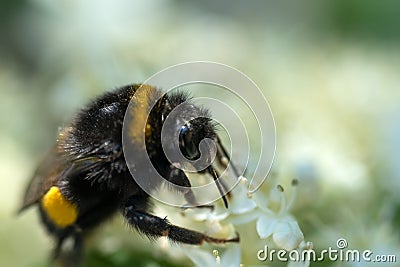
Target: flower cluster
(273, 220)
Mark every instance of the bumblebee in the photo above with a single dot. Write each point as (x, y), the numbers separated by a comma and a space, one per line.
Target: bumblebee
(85, 179)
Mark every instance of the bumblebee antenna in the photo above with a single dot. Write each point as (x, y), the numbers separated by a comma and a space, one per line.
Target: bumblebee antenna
(220, 185)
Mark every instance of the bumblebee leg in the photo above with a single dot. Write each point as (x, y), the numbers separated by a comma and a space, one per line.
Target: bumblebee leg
(154, 227)
(57, 250)
(178, 177)
(73, 256)
(77, 251)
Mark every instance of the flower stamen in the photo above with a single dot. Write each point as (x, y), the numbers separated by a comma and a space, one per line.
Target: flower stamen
(282, 197)
(293, 195)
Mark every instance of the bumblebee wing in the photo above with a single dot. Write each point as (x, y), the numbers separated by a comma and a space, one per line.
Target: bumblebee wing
(54, 168)
(46, 175)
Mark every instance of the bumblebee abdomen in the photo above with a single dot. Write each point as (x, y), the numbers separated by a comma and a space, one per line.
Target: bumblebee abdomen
(59, 210)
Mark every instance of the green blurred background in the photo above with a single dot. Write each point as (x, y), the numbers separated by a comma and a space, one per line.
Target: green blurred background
(329, 69)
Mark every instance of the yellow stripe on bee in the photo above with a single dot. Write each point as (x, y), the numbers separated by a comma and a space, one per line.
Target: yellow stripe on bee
(59, 210)
(139, 112)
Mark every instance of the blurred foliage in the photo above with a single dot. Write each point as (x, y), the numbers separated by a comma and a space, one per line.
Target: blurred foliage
(372, 20)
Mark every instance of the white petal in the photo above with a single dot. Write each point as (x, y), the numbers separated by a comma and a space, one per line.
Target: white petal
(205, 214)
(216, 229)
(231, 257)
(218, 216)
(287, 235)
(244, 218)
(265, 226)
(241, 203)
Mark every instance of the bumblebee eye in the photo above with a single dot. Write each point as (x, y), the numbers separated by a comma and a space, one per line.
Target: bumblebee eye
(187, 143)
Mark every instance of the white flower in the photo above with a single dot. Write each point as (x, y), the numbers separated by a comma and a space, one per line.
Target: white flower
(285, 231)
(280, 224)
(241, 203)
(286, 234)
(272, 219)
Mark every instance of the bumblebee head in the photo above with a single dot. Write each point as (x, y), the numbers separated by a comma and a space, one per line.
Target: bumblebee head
(192, 133)
(194, 125)
(177, 124)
